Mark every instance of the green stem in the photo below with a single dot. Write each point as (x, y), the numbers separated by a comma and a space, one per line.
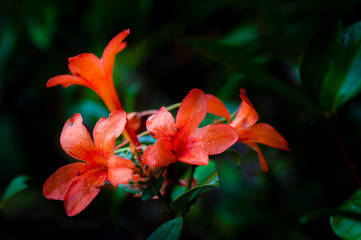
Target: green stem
(142, 134)
(190, 180)
(125, 142)
(165, 203)
(234, 114)
(122, 150)
(173, 106)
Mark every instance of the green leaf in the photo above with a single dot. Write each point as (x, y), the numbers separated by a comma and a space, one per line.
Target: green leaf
(347, 223)
(329, 69)
(206, 174)
(233, 59)
(317, 58)
(170, 230)
(17, 185)
(348, 67)
(242, 35)
(152, 189)
(207, 177)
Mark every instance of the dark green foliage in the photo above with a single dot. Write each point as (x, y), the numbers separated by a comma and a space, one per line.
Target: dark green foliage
(17, 185)
(257, 45)
(206, 177)
(152, 189)
(346, 221)
(236, 61)
(170, 230)
(330, 67)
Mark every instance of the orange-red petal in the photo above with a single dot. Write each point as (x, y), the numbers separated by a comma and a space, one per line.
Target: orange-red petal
(76, 141)
(214, 139)
(107, 130)
(160, 154)
(83, 190)
(191, 112)
(66, 81)
(216, 107)
(120, 170)
(58, 183)
(114, 46)
(246, 116)
(161, 124)
(261, 158)
(120, 176)
(194, 155)
(89, 67)
(265, 134)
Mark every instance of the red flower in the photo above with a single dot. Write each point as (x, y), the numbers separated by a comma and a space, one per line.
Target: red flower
(248, 131)
(97, 74)
(78, 183)
(180, 140)
(90, 71)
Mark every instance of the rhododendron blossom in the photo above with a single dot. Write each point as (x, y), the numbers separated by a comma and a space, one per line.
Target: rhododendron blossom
(248, 130)
(78, 183)
(180, 140)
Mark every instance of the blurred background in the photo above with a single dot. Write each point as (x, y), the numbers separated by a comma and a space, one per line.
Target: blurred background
(159, 67)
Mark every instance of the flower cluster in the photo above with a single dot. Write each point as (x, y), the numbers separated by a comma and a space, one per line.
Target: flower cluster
(176, 139)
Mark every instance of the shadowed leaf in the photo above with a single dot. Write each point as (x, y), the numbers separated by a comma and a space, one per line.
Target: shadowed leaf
(170, 230)
(329, 68)
(17, 185)
(207, 177)
(347, 225)
(233, 59)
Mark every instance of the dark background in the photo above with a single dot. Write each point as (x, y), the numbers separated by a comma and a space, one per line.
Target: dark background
(157, 68)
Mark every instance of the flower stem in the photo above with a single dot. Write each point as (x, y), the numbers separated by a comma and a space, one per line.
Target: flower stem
(119, 150)
(130, 135)
(142, 134)
(165, 203)
(190, 180)
(173, 106)
(120, 145)
(350, 165)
